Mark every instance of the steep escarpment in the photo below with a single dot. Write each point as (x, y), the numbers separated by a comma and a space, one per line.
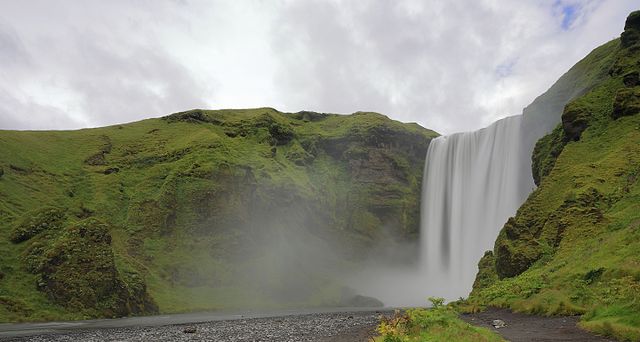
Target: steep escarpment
(574, 245)
(201, 210)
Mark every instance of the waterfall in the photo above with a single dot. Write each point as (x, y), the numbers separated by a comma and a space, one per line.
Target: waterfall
(473, 182)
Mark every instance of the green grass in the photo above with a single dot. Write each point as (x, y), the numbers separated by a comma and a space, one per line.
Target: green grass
(195, 200)
(439, 323)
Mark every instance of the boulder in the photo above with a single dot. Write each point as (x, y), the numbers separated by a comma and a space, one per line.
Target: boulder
(189, 330)
(498, 323)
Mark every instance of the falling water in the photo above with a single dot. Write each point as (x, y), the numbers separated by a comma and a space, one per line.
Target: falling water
(473, 182)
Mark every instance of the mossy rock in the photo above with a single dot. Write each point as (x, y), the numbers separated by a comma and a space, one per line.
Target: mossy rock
(191, 116)
(515, 257)
(77, 270)
(546, 152)
(282, 133)
(486, 272)
(631, 79)
(35, 222)
(631, 34)
(309, 116)
(299, 155)
(627, 102)
(575, 119)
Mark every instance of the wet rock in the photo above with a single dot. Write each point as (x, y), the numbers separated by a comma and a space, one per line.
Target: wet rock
(498, 323)
(189, 330)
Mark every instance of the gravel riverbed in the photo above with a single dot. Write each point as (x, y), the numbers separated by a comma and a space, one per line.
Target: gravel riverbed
(341, 327)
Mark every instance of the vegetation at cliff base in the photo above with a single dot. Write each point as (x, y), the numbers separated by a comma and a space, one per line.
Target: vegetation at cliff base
(438, 323)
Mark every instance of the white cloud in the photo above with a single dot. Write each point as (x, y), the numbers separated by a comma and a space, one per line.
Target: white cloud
(448, 65)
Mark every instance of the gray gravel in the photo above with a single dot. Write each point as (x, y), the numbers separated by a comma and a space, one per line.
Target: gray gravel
(345, 326)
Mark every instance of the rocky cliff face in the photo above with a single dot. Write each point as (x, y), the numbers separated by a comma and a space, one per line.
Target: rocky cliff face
(201, 210)
(571, 246)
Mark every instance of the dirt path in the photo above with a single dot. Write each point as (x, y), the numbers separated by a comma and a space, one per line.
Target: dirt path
(528, 328)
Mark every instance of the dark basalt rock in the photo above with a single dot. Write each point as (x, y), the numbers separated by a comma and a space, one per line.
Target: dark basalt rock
(627, 102)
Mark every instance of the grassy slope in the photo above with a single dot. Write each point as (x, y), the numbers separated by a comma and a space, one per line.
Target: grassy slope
(574, 246)
(190, 201)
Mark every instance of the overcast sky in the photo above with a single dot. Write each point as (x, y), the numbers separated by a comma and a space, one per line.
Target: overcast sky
(448, 65)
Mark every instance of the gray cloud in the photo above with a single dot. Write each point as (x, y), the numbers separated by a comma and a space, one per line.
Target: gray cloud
(448, 65)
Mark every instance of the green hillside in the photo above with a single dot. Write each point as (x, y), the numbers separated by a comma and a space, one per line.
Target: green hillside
(574, 246)
(201, 210)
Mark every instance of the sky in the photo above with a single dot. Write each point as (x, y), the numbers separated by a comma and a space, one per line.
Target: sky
(450, 65)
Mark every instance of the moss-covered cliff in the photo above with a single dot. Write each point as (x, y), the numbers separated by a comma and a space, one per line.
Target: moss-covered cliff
(200, 210)
(574, 245)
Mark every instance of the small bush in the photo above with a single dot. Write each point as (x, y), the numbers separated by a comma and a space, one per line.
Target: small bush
(440, 323)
